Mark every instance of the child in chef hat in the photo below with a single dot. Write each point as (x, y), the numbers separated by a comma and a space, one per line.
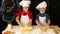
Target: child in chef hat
(42, 19)
(24, 16)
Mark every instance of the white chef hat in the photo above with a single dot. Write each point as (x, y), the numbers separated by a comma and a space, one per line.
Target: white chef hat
(41, 5)
(25, 3)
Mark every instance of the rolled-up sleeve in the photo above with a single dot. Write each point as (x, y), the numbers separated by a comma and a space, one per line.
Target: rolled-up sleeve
(30, 15)
(19, 13)
(47, 17)
(37, 17)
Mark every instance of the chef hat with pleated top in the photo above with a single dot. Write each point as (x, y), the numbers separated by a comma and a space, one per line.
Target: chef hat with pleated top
(42, 5)
(25, 3)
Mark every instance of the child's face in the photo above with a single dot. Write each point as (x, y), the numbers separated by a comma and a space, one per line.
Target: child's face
(25, 9)
(42, 10)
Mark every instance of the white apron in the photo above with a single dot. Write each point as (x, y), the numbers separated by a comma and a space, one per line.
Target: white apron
(24, 19)
(42, 20)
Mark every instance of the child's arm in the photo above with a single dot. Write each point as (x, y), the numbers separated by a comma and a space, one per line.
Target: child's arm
(17, 20)
(38, 23)
(30, 22)
(48, 19)
(30, 19)
(49, 22)
(47, 25)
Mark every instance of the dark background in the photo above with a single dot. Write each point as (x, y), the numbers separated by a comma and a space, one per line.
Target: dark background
(53, 9)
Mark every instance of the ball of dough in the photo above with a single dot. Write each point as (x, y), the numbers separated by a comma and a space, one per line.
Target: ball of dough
(26, 28)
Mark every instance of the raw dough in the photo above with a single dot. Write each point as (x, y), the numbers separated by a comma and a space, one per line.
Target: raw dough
(26, 28)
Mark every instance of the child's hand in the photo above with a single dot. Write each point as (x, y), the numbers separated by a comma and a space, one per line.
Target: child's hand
(41, 28)
(32, 27)
(21, 25)
(29, 26)
(46, 27)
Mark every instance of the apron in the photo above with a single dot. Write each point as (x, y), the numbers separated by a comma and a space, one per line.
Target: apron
(42, 20)
(24, 19)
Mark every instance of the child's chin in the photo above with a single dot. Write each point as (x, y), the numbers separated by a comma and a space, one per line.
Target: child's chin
(42, 13)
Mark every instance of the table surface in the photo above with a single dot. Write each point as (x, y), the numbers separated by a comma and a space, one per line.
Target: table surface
(17, 30)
